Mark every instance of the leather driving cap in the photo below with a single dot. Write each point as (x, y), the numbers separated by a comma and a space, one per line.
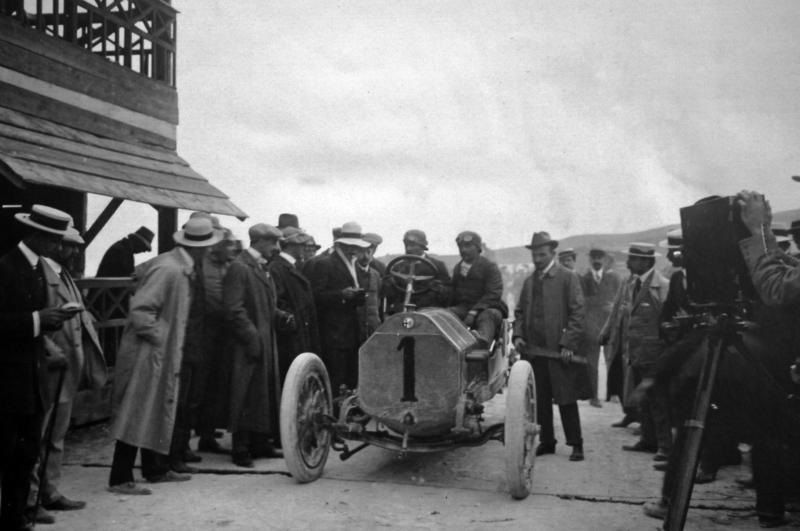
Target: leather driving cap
(469, 237)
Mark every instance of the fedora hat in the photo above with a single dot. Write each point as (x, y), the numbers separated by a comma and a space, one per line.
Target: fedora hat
(198, 232)
(540, 239)
(351, 235)
(642, 250)
(45, 219)
(416, 236)
(73, 236)
(145, 235)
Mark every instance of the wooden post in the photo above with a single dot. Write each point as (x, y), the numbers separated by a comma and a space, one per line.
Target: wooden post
(101, 220)
(167, 225)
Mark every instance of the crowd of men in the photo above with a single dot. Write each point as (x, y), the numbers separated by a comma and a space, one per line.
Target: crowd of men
(212, 329)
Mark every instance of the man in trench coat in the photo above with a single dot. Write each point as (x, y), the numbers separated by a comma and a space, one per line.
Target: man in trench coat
(251, 310)
(147, 373)
(550, 316)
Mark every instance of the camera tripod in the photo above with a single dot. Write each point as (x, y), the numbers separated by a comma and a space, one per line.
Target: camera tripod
(723, 332)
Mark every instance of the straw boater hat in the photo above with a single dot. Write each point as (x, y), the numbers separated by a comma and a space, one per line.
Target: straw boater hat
(642, 250)
(674, 240)
(596, 250)
(540, 239)
(351, 235)
(567, 252)
(73, 236)
(45, 219)
(416, 236)
(198, 232)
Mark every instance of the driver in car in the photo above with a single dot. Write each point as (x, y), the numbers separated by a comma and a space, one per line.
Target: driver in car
(416, 244)
(477, 290)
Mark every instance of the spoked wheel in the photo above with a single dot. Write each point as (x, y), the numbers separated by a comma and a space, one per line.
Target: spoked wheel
(305, 401)
(520, 429)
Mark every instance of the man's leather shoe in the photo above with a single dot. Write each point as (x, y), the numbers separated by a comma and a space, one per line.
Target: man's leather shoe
(40, 516)
(130, 488)
(577, 453)
(639, 446)
(243, 459)
(182, 468)
(626, 420)
(267, 451)
(656, 509)
(661, 455)
(545, 448)
(594, 402)
(62, 503)
(704, 476)
(190, 457)
(169, 476)
(661, 467)
(211, 446)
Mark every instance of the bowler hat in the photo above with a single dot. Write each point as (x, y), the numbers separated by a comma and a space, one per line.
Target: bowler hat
(416, 236)
(45, 219)
(540, 239)
(469, 236)
(288, 220)
(351, 235)
(198, 232)
(145, 235)
(642, 250)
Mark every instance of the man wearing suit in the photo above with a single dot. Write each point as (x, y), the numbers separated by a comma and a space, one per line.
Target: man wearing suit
(294, 296)
(550, 316)
(338, 294)
(76, 342)
(600, 285)
(252, 313)
(416, 243)
(25, 313)
(477, 293)
(642, 346)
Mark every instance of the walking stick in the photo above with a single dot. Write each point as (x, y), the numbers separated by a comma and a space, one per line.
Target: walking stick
(48, 436)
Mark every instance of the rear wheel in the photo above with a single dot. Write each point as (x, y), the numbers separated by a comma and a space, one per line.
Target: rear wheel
(520, 429)
(305, 401)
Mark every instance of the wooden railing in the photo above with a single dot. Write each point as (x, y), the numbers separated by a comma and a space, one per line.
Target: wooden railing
(107, 299)
(137, 34)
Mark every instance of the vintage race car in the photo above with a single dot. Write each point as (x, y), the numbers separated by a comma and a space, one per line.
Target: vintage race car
(421, 387)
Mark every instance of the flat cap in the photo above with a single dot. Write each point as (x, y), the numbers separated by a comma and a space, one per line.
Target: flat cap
(262, 231)
(416, 236)
(294, 235)
(372, 238)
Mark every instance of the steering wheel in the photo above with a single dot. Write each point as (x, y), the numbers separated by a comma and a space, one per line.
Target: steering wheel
(402, 271)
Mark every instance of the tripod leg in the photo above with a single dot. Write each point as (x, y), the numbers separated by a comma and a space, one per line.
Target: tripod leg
(690, 439)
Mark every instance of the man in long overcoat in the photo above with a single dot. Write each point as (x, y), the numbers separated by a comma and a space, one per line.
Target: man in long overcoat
(550, 316)
(147, 373)
(294, 296)
(600, 285)
(338, 295)
(25, 313)
(636, 323)
(251, 308)
(77, 343)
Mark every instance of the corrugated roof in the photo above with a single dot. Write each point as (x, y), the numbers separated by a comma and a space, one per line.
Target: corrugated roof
(42, 152)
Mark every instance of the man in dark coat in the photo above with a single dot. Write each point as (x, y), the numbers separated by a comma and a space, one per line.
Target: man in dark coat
(550, 316)
(477, 290)
(416, 243)
(250, 304)
(600, 285)
(118, 259)
(25, 313)
(337, 294)
(295, 297)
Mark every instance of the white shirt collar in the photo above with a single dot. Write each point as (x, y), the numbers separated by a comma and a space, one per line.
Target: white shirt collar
(53, 264)
(257, 255)
(351, 265)
(597, 274)
(549, 266)
(289, 258)
(646, 274)
(30, 256)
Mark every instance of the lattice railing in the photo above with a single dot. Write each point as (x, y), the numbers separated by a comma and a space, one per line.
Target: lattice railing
(107, 299)
(137, 34)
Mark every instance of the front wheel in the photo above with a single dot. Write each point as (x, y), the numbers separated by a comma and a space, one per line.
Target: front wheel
(305, 401)
(520, 429)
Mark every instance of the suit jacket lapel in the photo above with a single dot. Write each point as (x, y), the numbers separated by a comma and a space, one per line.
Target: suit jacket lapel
(258, 271)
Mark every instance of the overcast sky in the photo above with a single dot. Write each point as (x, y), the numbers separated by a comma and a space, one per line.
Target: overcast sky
(502, 117)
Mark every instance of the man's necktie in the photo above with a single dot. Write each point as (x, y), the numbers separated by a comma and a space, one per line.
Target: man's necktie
(636, 287)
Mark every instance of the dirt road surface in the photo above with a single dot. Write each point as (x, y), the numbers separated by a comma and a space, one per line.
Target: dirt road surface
(462, 489)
